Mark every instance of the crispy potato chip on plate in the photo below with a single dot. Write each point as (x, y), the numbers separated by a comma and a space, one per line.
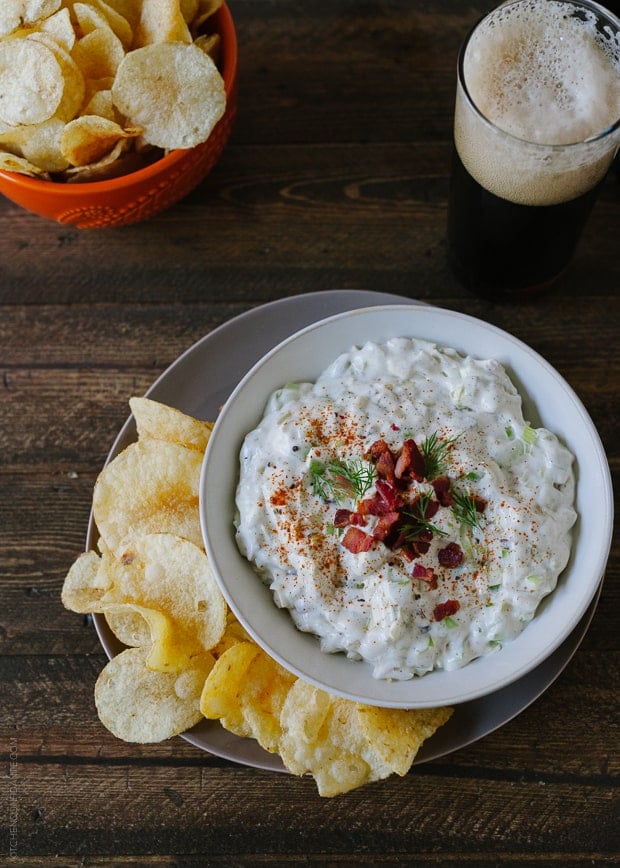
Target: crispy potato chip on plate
(128, 625)
(161, 422)
(139, 705)
(85, 584)
(246, 690)
(397, 735)
(172, 576)
(322, 736)
(152, 486)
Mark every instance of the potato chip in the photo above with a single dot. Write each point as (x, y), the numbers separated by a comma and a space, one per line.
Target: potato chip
(101, 105)
(233, 634)
(118, 22)
(89, 40)
(173, 91)
(262, 697)
(59, 27)
(246, 691)
(171, 648)
(99, 53)
(31, 82)
(206, 8)
(220, 695)
(210, 45)
(337, 754)
(39, 144)
(17, 13)
(120, 161)
(74, 87)
(174, 577)
(129, 9)
(89, 138)
(161, 422)
(189, 9)
(128, 625)
(161, 21)
(85, 584)
(151, 486)
(397, 734)
(139, 705)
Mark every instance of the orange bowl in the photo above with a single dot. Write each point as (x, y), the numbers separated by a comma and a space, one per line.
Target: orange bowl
(147, 191)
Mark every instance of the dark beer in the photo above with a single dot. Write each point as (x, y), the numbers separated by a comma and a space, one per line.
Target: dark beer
(536, 127)
(500, 249)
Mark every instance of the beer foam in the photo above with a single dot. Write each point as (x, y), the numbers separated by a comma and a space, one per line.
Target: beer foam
(547, 76)
(544, 75)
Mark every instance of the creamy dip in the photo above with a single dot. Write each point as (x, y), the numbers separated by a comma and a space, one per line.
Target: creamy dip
(403, 510)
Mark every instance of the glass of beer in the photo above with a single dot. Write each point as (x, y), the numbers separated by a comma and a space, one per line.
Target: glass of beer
(536, 127)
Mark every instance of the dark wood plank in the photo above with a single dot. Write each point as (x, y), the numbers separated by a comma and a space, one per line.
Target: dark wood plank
(336, 175)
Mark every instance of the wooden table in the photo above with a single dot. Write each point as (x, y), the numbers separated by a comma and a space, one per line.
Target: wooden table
(336, 176)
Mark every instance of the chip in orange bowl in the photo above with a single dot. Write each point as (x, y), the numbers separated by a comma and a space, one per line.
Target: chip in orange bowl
(134, 115)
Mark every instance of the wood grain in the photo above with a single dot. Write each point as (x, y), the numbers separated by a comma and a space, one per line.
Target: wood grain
(336, 176)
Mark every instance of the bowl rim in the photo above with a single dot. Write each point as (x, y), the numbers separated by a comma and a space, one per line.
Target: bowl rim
(226, 28)
(500, 670)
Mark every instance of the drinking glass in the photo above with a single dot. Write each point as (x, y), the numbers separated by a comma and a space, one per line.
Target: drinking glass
(536, 127)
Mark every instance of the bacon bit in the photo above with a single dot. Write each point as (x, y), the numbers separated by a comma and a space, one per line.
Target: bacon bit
(394, 427)
(430, 509)
(384, 525)
(479, 502)
(342, 517)
(441, 486)
(451, 555)
(421, 546)
(389, 495)
(410, 462)
(407, 550)
(443, 610)
(387, 499)
(377, 449)
(355, 540)
(370, 506)
(385, 467)
(425, 574)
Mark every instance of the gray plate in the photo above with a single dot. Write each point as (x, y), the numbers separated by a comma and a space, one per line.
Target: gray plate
(198, 383)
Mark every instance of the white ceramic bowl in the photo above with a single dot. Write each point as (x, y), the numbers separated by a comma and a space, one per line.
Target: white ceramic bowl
(548, 401)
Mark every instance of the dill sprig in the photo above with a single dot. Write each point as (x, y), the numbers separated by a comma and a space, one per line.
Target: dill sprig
(435, 454)
(342, 480)
(320, 486)
(464, 508)
(418, 521)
